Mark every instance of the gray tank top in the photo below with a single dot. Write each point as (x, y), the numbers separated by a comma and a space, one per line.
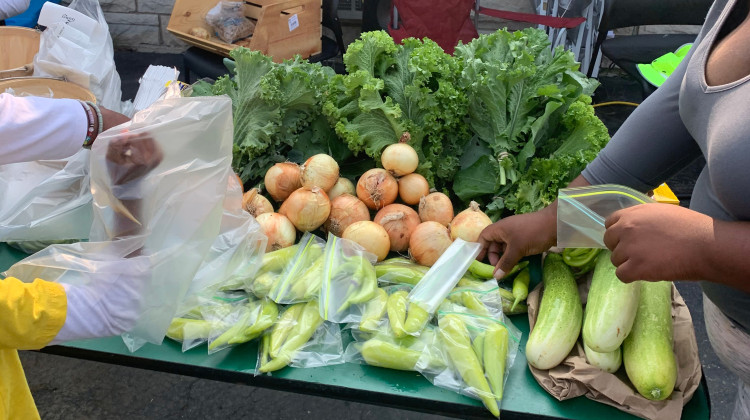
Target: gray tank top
(682, 120)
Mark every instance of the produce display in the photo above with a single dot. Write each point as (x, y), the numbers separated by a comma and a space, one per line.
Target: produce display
(367, 183)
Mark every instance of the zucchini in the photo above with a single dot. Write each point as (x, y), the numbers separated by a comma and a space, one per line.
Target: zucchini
(558, 324)
(608, 362)
(647, 352)
(610, 309)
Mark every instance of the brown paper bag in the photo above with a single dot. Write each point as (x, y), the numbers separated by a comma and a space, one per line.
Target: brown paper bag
(575, 376)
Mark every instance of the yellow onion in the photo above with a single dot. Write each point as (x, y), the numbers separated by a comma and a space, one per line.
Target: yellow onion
(399, 221)
(342, 186)
(345, 210)
(399, 159)
(320, 171)
(428, 242)
(468, 224)
(254, 203)
(371, 236)
(278, 229)
(282, 179)
(377, 188)
(307, 208)
(412, 187)
(436, 207)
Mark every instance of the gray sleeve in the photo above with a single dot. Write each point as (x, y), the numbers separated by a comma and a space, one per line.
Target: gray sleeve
(652, 145)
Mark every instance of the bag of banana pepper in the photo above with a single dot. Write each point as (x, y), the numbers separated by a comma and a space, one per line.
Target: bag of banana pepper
(190, 327)
(485, 298)
(271, 269)
(400, 270)
(349, 281)
(475, 354)
(434, 287)
(383, 349)
(236, 322)
(302, 276)
(300, 338)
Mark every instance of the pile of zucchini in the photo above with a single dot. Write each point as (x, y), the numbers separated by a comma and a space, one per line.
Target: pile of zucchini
(628, 323)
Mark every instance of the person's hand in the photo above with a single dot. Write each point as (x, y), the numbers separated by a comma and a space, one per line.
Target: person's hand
(131, 156)
(111, 118)
(508, 240)
(658, 242)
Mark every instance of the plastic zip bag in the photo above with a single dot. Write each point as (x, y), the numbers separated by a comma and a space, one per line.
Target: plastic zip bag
(228, 21)
(46, 200)
(302, 277)
(349, 281)
(474, 356)
(381, 348)
(430, 292)
(272, 266)
(300, 338)
(581, 212)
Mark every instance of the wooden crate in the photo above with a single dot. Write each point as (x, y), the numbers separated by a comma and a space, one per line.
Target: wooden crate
(272, 35)
(19, 45)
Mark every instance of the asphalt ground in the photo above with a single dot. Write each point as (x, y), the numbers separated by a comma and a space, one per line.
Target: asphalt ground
(66, 388)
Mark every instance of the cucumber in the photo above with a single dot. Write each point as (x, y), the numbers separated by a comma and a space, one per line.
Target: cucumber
(608, 362)
(559, 322)
(610, 309)
(647, 352)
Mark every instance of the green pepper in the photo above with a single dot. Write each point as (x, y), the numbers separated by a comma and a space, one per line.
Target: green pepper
(457, 343)
(182, 329)
(368, 282)
(265, 348)
(416, 318)
(374, 311)
(580, 260)
(495, 353)
(396, 308)
(233, 331)
(400, 273)
(389, 355)
(307, 285)
(268, 314)
(277, 260)
(467, 281)
(283, 327)
(520, 287)
(263, 283)
(477, 344)
(472, 302)
(308, 321)
(481, 270)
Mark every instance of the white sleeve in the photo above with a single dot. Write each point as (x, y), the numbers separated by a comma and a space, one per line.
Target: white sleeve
(35, 128)
(10, 8)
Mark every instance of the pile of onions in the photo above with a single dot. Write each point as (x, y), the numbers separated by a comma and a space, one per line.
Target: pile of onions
(377, 188)
(279, 230)
(345, 210)
(371, 236)
(254, 203)
(436, 207)
(282, 179)
(468, 224)
(412, 187)
(399, 159)
(320, 171)
(307, 208)
(342, 186)
(399, 221)
(428, 242)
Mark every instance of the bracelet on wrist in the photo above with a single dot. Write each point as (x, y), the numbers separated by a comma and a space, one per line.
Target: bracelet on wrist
(96, 108)
(90, 135)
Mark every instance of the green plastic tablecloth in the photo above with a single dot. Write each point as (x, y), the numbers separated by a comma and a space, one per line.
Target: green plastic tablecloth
(523, 396)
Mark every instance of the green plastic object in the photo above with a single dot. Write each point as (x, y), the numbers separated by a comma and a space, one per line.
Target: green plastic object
(657, 71)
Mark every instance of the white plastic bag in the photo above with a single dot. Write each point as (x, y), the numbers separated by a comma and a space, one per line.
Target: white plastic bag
(180, 214)
(86, 60)
(46, 200)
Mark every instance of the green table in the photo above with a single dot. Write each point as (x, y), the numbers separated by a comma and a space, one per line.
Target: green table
(523, 398)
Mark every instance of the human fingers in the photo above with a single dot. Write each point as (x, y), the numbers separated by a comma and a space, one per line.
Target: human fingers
(509, 259)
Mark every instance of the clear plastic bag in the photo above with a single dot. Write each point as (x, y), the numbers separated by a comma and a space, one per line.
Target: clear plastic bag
(179, 218)
(400, 271)
(84, 59)
(430, 292)
(381, 348)
(46, 200)
(349, 281)
(581, 212)
(303, 276)
(228, 20)
(300, 338)
(484, 299)
(473, 356)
